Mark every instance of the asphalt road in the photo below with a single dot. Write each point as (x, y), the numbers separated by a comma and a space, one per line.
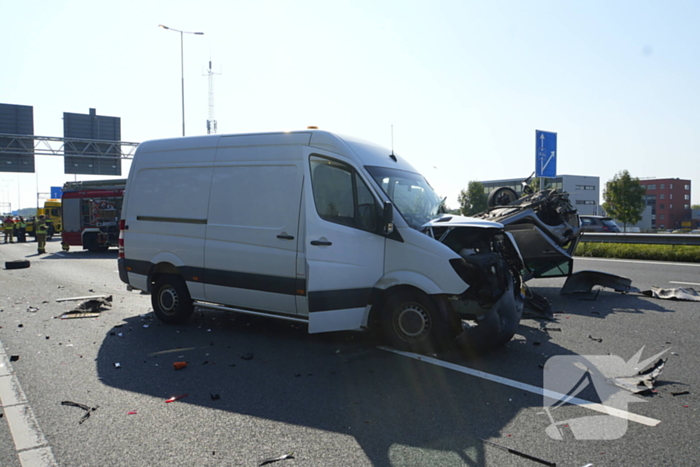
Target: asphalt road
(258, 389)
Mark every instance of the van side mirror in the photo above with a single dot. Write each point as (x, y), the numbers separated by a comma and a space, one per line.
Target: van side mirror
(388, 218)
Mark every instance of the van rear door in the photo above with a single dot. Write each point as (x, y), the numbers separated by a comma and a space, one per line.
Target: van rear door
(343, 251)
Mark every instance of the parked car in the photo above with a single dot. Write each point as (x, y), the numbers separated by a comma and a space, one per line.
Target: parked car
(598, 224)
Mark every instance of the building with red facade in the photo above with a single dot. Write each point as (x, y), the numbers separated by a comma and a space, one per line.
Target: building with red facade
(669, 199)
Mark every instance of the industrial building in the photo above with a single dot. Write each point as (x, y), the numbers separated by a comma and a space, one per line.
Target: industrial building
(584, 191)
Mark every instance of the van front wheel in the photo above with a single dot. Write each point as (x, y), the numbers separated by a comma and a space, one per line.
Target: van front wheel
(171, 300)
(411, 321)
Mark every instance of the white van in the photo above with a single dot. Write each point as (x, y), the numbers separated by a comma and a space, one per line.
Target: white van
(313, 227)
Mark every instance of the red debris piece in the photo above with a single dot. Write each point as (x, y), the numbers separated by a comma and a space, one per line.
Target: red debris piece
(175, 398)
(133, 412)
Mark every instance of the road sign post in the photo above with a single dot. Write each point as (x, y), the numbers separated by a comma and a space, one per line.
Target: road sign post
(545, 155)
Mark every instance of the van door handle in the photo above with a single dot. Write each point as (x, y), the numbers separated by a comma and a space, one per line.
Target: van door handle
(285, 237)
(321, 243)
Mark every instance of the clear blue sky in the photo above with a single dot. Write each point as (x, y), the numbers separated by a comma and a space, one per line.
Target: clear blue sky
(465, 84)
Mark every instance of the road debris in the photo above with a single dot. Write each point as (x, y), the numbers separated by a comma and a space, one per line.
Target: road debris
(14, 358)
(88, 410)
(644, 380)
(88, 309)
(176, 398)
(681, 393)
(275, 459)
(584, 281)
(215, 397)
(248, 356)
(132, 412)
(117, 365)
(91, 297)
(680, 293)
(179, 365)
(521, 454)
(32, 309)
(597, 339)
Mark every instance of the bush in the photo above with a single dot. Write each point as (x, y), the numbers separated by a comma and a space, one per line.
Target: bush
(675, 253)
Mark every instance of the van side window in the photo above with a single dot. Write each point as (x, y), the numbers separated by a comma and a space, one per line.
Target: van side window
(341, 196)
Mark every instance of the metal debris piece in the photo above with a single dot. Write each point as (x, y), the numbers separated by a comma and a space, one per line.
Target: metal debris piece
(32, 309)
(642, 381)
(14, 358)
(92, 297)
(71, 315)
(584, 281)
(680, 293)
(597, 339)
(275, 459)
(521, 454)
(536, 305)
(88, 410)
(681, 393)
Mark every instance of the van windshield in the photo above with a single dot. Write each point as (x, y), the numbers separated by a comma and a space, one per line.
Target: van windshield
(411, 194)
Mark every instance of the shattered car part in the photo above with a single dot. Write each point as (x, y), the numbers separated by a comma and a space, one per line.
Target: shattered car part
(519, 453)
(88, 410)
(642, 381)
(275, 459)
(584, 281)
(679, 293)
(91, 297)
(545, 226)
(490, 264)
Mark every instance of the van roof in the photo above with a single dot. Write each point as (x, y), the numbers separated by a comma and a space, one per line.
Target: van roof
(364, 152)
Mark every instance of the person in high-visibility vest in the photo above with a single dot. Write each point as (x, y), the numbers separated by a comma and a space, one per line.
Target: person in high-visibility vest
(40, 231)
(21, 230)
(8, 225)
(50, 230)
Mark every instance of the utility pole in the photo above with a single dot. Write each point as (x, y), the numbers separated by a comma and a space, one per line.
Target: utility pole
(211, 123)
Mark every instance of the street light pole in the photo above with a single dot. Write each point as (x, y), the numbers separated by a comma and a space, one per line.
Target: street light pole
(182, 66)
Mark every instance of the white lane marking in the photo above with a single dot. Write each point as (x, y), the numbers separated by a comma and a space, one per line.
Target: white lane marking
(32, 448)
(533, 389)
(583, 258)
(685, 283)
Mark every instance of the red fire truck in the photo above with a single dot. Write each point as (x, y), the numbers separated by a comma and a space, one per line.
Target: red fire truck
(91, 211)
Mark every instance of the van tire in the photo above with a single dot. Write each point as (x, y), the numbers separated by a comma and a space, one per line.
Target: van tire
(171, 300)
(410, 320)
(17, 264)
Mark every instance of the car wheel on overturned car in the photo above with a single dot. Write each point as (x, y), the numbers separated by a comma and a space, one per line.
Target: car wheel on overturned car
(501, 197)
(410, 320)
(171, 300)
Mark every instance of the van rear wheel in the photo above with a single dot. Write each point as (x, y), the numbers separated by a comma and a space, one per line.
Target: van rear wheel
(171, 300)
(411, 320)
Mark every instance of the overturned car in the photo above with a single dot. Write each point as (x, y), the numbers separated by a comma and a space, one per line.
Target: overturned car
(545, 226)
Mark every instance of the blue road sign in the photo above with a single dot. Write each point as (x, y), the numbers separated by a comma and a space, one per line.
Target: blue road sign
(56, 192)
(546, 154)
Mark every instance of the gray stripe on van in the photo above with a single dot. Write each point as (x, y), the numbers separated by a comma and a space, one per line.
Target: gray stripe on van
(178, 220)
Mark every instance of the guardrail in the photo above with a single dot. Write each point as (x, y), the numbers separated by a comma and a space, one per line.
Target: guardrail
(642, 238)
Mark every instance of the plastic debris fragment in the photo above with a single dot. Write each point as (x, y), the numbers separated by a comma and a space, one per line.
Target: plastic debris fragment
(179, 365)
(176, 398)
(88, 410)
(521, 454)
(275, 459)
